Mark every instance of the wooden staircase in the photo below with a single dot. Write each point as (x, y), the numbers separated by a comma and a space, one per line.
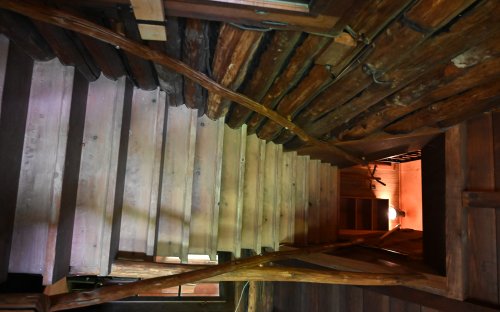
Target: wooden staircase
(152, 179)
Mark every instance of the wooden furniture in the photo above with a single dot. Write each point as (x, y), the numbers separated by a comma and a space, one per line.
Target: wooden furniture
(363, 213)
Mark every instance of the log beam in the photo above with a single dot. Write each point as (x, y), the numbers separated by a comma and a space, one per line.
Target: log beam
(71, 22)
(111, 293)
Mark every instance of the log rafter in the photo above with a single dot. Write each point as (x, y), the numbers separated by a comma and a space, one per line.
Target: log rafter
(71, 22)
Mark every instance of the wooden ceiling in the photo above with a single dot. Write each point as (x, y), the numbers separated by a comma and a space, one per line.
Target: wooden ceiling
(372, 78)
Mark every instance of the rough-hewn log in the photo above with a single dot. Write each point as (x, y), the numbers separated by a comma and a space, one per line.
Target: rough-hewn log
(323, 115)
(299, 63)
(71, 22)
(462, 35)
(290, 105)
(21, 31)
(234, 52)
(170, 81)
(68, 50)
(141, 71)
(482, 66)
(134, 269)
(82, 299)
(270, 65)
(196, 54)
(450, 110)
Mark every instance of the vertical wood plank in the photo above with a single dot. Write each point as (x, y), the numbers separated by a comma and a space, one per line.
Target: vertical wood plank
(271, 194)
(483, 272)
(40, 183)
(71, 176)
(177, 183)
(15, 99)
(325, 198)
(314, 202)
(233, 174)
(4, 52)
(375, 302)
(496, 150)
(456, 214)
(206, 187)
(140, 199)
(354, 299)
(334, 203)
(301, 200)
(288, 191)
(253, 194)
(98, 170)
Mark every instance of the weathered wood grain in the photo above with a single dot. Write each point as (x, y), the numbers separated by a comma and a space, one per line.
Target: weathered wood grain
(272, 196)
(177, 183)
(232, 191)
(454, 108)
(288, 192)
(298, 64)
(68, 50)
(337, 50)
(71, 175)
(230, 71)
(142, 178)
(170, 81)
(253, 196)
(98, 171)
(301, 200)
(326, 203)
(314, 202)
(141, 70)
(105, 57)
(445, 81)
(482, 251)
(384, 56)
(270, 64)
(40, 182)
(21, 30)
(196, 54)
(298, 98)
(206, 187)
(15, 100)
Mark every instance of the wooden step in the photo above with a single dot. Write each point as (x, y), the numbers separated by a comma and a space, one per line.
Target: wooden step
(301, 200)
(177, 183)
(142, 178)
(231, 201)
(313, 218)
(95, 217)
(272, 196)
(40, 183)
(206, 187)
(253, 194)
(288, 191)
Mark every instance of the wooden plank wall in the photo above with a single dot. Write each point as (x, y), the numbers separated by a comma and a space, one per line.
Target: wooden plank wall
(290, 297)
(482, 173)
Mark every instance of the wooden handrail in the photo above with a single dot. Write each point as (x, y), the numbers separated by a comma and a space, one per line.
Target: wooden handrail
(116, 292)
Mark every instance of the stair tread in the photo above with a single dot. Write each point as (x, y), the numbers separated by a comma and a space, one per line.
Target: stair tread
(177, 183)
